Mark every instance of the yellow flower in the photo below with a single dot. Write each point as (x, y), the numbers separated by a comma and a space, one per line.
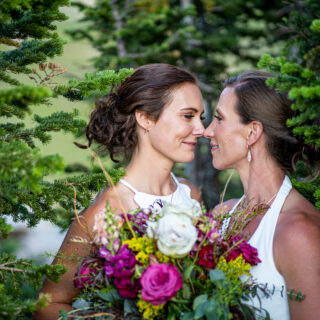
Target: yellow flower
(161, 257)
(234, 268)
(148, 310)
(142, 257)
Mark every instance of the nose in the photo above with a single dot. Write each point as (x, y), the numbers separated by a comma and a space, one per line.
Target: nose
(209, 131)
(198, 129)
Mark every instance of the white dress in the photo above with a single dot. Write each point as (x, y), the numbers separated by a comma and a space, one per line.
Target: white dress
(266, 271)
(181, 196)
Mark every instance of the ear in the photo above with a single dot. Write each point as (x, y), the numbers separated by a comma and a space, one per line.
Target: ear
(143, 120)
(255, 132)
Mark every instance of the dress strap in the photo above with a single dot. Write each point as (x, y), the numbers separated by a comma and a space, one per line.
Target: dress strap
(175, 179)
(128, 186)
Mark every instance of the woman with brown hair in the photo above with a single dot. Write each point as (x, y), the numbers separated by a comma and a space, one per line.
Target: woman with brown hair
(155, 116)
(249, 134)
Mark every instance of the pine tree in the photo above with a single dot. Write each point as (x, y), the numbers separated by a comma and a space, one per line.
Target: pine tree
(298, 72)
(28, 39)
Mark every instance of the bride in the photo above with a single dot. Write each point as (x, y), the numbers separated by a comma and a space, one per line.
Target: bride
(249, 134)
(154, 115)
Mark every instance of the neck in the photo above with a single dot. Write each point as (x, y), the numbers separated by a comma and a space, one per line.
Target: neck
(261, 181)
(150, 173)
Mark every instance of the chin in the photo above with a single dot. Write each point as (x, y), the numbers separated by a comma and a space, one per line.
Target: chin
(186, 158)
(218, 166)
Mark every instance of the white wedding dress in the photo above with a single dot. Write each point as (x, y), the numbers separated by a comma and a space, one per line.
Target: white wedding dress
(181, 196)
(266, 271)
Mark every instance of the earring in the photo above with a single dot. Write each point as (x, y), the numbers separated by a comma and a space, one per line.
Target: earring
(249, 154)
(146, 130)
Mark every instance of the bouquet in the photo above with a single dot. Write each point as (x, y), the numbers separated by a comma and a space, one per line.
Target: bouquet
(173, 263)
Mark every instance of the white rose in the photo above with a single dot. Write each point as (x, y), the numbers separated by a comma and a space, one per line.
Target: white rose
(193, 212)
(175, 234)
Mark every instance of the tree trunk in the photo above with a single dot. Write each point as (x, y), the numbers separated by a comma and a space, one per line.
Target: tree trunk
(122, 52)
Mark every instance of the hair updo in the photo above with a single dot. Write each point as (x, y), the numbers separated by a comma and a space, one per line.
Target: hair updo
(148, 89)
(257, 101)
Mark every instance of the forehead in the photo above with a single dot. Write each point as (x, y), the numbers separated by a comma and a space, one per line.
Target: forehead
(187, 95)
(227, 101)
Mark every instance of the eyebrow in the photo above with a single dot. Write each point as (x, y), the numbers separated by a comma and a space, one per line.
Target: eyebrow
(191, 109)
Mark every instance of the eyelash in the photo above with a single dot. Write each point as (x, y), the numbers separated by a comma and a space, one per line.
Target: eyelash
(189, 116)
(218, 117)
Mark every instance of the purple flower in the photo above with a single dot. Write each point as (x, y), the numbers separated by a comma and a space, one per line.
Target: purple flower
(160, 282)
(84, 276)
(139, 219)
(121, 268)
(250, 254)
(104, 253)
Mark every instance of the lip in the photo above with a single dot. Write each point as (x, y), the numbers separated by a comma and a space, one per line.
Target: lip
(191, 144)
(214, 147)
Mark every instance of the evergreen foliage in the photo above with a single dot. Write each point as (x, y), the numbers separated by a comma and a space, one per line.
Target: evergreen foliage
(28, 39)
(298, 72)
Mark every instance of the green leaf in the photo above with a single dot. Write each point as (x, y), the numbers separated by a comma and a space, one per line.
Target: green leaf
(216, 274)
(187, 316)
(187, 273)
(199, 312)
(110, 296)
(199, 300)
(186, 291)
(210, 310)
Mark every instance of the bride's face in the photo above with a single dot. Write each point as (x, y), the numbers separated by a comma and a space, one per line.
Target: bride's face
(228, 136)
(175, 134)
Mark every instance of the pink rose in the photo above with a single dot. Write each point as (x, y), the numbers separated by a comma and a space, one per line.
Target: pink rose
(160, 282)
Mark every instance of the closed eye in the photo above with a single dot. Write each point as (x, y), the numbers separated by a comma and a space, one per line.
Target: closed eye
(218, 117)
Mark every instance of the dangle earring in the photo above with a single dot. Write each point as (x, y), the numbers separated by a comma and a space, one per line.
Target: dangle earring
(146, 131)
(249, 154)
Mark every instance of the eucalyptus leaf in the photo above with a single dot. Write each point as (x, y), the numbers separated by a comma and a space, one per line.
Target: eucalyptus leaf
(216, 274)
(187, 316)
(130, 307)
(110, 296)
(199, 312)
(210, 310)
(199, 300)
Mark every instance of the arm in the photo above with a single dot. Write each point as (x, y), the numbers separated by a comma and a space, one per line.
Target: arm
(63, 292)
(297, 251)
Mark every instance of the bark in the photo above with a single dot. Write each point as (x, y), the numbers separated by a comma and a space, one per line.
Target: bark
(122, 52)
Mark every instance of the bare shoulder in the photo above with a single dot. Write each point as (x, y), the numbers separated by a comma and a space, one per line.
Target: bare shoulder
(224, 207)
(195, 192)
(297, 234)
(119, 199)
(297, 253)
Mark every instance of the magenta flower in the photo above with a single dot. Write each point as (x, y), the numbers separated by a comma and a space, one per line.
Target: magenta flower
(121, 268)
(84, 276)
(160, 282)
(250, 254)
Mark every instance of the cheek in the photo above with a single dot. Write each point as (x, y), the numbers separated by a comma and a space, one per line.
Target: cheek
(231, 138)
